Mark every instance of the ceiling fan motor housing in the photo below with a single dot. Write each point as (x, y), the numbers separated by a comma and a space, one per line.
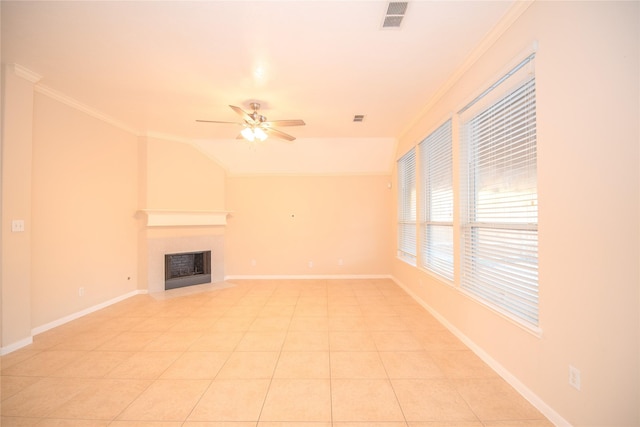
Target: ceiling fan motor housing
(258, 118)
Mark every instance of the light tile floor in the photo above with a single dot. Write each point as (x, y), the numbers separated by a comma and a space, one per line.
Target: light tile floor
(276, 353)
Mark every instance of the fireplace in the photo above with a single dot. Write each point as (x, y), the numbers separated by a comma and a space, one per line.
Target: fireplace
(186, 269)
(160, 242)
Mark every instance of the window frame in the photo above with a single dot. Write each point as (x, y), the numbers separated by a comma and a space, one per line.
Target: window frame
(407, 208)
(499, 255)
(437, 178)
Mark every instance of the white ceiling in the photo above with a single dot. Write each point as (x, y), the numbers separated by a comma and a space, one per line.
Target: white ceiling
(157, 66)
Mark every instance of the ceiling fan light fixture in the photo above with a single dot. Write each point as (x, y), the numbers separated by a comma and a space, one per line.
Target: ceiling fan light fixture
(253, 133)
(260, 134)
(255, 126)
(247, 133)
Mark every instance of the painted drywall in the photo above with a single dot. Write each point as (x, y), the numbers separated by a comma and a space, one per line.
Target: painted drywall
(180, 177)
(279, 224)
(17, 105)
(587, 77)
(175, 176)
(84, 211)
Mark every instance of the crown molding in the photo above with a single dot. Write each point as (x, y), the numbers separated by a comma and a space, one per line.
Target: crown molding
(26, 73)
(514, 12)
(67, 100)
(35, 78)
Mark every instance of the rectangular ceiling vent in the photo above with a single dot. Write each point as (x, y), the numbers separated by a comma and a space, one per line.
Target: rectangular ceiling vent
(358, 118)
(395, 14)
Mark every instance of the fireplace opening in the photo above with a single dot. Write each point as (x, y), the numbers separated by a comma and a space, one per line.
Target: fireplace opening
(186, 269)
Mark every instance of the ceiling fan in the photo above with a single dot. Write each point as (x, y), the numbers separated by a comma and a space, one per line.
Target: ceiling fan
(257, 127)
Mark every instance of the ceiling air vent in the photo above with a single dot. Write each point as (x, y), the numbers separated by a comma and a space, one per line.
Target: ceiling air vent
(358, 118)
(395, 13)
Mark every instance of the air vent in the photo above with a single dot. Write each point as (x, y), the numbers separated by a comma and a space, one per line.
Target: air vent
(395, 13)
(358, 118)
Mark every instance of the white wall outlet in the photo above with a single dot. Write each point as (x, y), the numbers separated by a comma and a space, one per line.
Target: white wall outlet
(253, 263)
(340, 261)
(80, 291)
(310, 264)
(17, 225)
(574, 377)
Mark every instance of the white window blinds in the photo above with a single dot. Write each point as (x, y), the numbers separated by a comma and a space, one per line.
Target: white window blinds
(407, 207)
(436, 228)
(500, 219)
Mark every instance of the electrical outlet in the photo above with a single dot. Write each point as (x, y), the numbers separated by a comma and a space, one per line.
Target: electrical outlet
(340, 261)
(253, 263)
(310, 264)
(17, 225)
(574, 377)
(81, 291)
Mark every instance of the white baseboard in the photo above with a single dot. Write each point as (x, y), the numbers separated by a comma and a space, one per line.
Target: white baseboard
(79, 314)
(305, 276)
(16, 346)
(533, 398)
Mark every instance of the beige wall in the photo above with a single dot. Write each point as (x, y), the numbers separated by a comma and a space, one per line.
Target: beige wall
(179, 177)
(84, 211)
(285, 222)
(175, 176)
(17, 105)
(587, 73)
(78, 183)
(80, 187)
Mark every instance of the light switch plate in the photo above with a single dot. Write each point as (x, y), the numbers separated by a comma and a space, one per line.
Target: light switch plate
(574, 377)
(17, 225)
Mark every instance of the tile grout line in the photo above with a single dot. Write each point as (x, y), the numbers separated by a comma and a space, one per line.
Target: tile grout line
(275, 366)
(248, 299)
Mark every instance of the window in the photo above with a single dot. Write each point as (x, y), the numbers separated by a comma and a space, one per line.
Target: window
(436, 228)
(407, 207)
(500, 219)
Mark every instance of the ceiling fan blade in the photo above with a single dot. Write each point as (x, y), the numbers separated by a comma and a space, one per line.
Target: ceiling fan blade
(215, 121)
(279, 134)
(245, 116)
(297, 122)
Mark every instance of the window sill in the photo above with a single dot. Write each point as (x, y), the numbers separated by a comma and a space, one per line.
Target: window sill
(534, 330)
(407, 261)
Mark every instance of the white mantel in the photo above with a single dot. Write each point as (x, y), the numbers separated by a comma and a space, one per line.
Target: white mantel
(169, 218)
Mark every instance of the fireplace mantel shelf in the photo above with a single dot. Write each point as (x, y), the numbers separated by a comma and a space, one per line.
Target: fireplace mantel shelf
(170, 218)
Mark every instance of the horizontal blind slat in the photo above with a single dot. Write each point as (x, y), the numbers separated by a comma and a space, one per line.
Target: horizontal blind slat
(436, 166)
(500, 237)
(407, 209)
